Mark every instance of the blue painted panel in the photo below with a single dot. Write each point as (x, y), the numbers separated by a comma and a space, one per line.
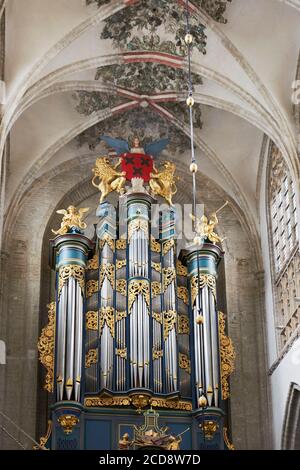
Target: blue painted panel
(177, 428)
(98, 435)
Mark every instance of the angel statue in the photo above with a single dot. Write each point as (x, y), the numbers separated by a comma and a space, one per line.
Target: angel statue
(162, 183)
(72, 217)
(123, 147)
(204, 227)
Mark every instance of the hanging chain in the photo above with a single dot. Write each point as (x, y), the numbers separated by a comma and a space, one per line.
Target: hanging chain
(188, 39)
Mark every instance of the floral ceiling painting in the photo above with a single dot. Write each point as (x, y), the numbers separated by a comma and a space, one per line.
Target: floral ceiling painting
(156, 27)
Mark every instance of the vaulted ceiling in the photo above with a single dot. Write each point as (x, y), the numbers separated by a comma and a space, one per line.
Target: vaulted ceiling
(77, 68)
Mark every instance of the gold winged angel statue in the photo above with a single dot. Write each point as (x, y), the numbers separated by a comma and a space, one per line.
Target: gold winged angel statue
(72, 217)
(205, 226)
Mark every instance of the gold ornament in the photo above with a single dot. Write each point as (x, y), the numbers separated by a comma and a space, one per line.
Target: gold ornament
(72, 217)
(91, 358)
(68, 422)
(91, 287)
(156, 266)
(120, 263)
(107, 270)
(137, 224)
(157, 354)
(71, 270)
(157, 317)
(106, 315)
(168, 245)
(199, 319)
(229, 444)
(169, 322)
(183, 294)
(156, 288)
(181, 270)
(162, 183)
(205, 280)
(202, 401)
(135, 288)
(44, 439)
(109, 178)
(121, 244)
(107, 239)
(155, 246)
(91, 320)
(106, 401)
(46, 347)
(140, 401)
(183, 325)
(184, 363)
(121, 286)
(166, 403)
(93, 263)
(171, 404)
(204, 227)
(120, 315)
(227, 354)
(169, 275)
(122, 353)
(209, 428)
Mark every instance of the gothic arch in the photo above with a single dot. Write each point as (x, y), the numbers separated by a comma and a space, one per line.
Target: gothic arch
(291, 424)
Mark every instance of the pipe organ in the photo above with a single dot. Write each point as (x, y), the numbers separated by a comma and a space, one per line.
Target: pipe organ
(135, 325)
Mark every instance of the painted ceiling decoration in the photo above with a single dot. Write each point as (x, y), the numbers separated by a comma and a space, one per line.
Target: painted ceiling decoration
(140, 27)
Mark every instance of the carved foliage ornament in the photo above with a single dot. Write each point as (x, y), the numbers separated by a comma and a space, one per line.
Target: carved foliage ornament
(181, 270)
(46, 347)
(91, 358)
(227, 354)
(72, 270)
(68, 422)
(106, 315)
(183, 325)
(184, 363)
(169, 275)
(92, 320)
(107, 270)
(155, 246)
(91, 287)
(183, 294)
(93, 263)
(205, 280)
(138, 401)
(135, 288)
(169, 321)
(138, 224)
(107, 239)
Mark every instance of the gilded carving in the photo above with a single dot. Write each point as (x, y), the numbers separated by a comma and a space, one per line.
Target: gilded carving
(91, 287)
(72, 217)
(157, 316)
(184, 363)
(169, 322)
(120, 263)
(156, 266)
(109, 178)
(46, 347)
(91, 319)
(229, 444)
(171, 404)
(71, 270)
(93, 263)
(168, 245)
(227, 354)
(121, 286)
(156, 288)
(183, 325)
(137, 224)
(209, 428)
(157, 354)
(106, 401)
(120, 315)
(107, 270)
(44, 439)
(107, 239)
(121, 244)
(183, 294)
(122, 353)
(106, 315)
(181, 270)
(205, 280)
(155, 246)
(91, 358)
(162, 182)
(135, 288)
(68, 422)
(169, 275)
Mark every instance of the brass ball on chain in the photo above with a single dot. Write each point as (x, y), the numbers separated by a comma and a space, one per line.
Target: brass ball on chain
(188, 39)
(190, 101)
(193, 167)
(202, 401)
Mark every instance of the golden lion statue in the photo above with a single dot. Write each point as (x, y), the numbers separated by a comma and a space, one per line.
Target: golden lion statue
(162, 183)
(72, 217)
(109, 178)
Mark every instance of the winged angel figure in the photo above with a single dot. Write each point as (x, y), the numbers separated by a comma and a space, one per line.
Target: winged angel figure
(122, 146)
(72, 217)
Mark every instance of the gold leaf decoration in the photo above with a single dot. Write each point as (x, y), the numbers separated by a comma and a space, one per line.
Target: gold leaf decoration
(137, 224)
(184, 363)
(121, 244)
(120, 315)
(183, 294)
(91, 358)
(46, 347)
(156, 288)
(91, 287)
(68, 422)
(106, 315)
(107, 239)
(227, 354)
(135, 288)
(71, 270)
(121, 286)
(205, 280)
(157, 354)
(156, 266)
(107, 270)
(169, 321)
(181, 270)
(93, 263)
(183, 325)
(92, 320)
(155, 246)
(169, 275)
(168, 245)
(120, 263)
(157, 316)
(122, 353)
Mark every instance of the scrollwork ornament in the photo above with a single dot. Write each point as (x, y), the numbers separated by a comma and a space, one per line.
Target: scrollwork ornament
(155, 246)
(183, 294)
(120, 263)
(169, 322)
(93, 263)
(92, 286)
(91, 358)
(169, 275)
(181, 269)
(156, 288)
(138, 224)
(106, 315)
(168, 245)
(92, 320)
(184, 363)
(71, 270)
(107, 270)
(107, 239)
(121, 244)
(68, 422)
(205, 280)
(121, 286)
(135, 288)
(227, 354)
(46, 347)
(122, 353)
(183, 325)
